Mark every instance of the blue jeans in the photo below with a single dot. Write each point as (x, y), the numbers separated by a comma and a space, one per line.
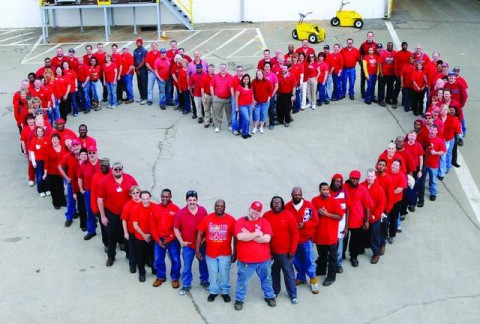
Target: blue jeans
(376, 237)
(298, 99)
(39, 171)
(219, 274)
(442, 169)
(96, 89)
(75, 102)
(235, 125)
(71, 203)
(112, 93)
(285, 264)
(151, 83)
(340, 252)
(245, 272)
(81, 95)
(304, 261)
(432, 180)
(245, 112)
(168, 91)
(370, 93)
(260, 111)
(449, 144)
(328, 87)
(128, 84)
(173, 249)
(337, 86)
(464, 127)
(162, 99)
(91, 220)
(321, 93)
(54, 113)
(406, 98)
(188, 254)
(350, 75)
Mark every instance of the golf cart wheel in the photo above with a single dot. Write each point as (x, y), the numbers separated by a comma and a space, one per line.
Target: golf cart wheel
(312, 38)
(358, 23)
(335, 21)
(294, 34)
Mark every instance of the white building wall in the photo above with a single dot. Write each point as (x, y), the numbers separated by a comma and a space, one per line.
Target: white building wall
(26, 13)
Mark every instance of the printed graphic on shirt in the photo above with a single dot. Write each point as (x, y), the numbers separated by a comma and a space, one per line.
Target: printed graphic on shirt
(217, 232)
(307, 215)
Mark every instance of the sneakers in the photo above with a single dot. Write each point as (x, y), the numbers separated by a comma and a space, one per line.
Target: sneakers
(42, 194)
(143, 102)
(314, 285)
(89, 236)
(261, 130)
(217, 129)
(382, 250)
(328, 282)
(238, 305)
(235, 132)
(271, 302)
(149, 103)
(158, 282)
(205, 285)
(211, 297)
(48, 193)
(184, 290)
(294, 300)
(68, 223)
(226, 298)
(129, 101)
(175, 284)
(254, 130)
(399, 229)
(31, 183)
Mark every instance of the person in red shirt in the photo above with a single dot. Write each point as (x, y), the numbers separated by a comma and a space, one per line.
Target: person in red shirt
(62, 93)
(38, 150)
(351, 56)
(71, 76)
(253, 234)
(399, 180)
(435, 148)
(39, 91)
(262, 93)
(64, 132)
(86, 171)
(72, 59)
(47, 65)
(221, 94)
(25, 140)
(150, 60)
(58, 59)
(161, 69)
(112, 196)
(110, 75)
(335, 62)
(419, 85)
(182, 80)
(85, 140)
(390, 155)
(297, 71)
(165, 240)
(236, 81)
(417, 152)
(338, 192)
(185, 228)
(287, 86)
(53, 157)
(195, 87)
(243, 102)
(207, 96)
(305, 49)
(377, 215)
(371, 69)
(117, 59)
(82, 72)
(216, 229)
(363, 49)
(283, 246)
(386, 77)
(127, 217)
(406, 83)
(420, 56)
(359, 205)
(20, 109)
(329, 213)
(307, 219)
(96, 181)
(266, 58)
(142, 218)
(127, 69)
(100, 55)
(311, 77)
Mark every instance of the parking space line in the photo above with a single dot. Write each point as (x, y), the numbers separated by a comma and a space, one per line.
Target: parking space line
(194, 34)
(78, 46)
(34, 47)
(9, 32)
(16, 36)
(243, 46)
(43, 53)
(205, 41)
(22, 41)
(227, 42)
(262, 40)
(394, 35)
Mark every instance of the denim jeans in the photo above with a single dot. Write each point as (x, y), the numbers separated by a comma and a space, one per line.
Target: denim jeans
(406, 98)
(152, 78)
(169, 91)
(448, 156)
(337, 86)
(142, 82)
(219, 274)
(245, 112)
(75, 95)
(245, 272)
(328, 88)
(321, 93)
(432, 180)
(235, 125)
(188, 254)
(71, 203)
(162, 100)
(260, 111)
(281, 262)
(298, 99)
(42, 185)
(96, 89)
(112, 93)
(173, 249)
(349, 74)
(304, 261)
(54, 113)
(376, 237)
(91, 220)
(340, 252)
(370, 93)
(81, 95)
(464, 127)
(128, 85)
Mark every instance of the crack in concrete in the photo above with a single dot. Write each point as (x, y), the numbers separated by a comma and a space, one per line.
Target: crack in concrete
(165, 150)
(426, 303)
(197, 308)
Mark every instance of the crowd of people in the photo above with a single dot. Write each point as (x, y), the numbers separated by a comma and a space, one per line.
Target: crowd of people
(345, 215)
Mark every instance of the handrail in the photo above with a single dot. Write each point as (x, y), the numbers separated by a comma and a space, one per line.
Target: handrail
(188, 10)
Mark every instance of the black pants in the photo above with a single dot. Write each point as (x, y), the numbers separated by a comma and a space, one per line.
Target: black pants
(120, 88)
(271, 110)
(65, 106)
(285, 264)
(55, 182)
(387, 82)
(144, 254)
(376, 240)
(103, 230)
(327, 258)
(114, 232)
(404, 204)
(105, 92)
(132, 250)
(363, 80)
(393, 219)
(284, 107)
(454, 152)
(417, 101)
(142, 83)
(356, 242)
(396, 90)
(82, 210)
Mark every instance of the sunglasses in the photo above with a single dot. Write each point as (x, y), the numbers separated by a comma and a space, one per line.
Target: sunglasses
(135, 192)
(118, 169)
(93, 152)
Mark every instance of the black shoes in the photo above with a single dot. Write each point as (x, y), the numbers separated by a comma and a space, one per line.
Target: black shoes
(141, 278)
(420, 204)
(226, 298)
(411, 208)
(460, 142)
(328, 282)
(89, 236)
(68, 223)
(354, 262)
(456, 165)
(200, 120)
(339, 269)
(109, 262)
(271, 302)
(238, 305)
(211, 297)
(133, 269)
(433, 198)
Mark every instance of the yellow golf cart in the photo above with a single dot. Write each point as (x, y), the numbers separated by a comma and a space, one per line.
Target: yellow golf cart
(313, 33)
(347, 18)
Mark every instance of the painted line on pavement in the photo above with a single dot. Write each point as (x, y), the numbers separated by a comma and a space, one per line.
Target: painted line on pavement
(227, 42)
(464, 175)
(243, 46)
(262, 40)
(42, 53)
(205, 41)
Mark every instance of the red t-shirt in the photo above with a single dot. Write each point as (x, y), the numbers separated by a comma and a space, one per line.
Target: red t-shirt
(26, 137)
(311, 70)
(221, 85)
(87, 141)
(335, 61)
(350, 57)
(438, 144)
(416, 151)
(151, 57)
(207, 79)
(307, 50)
(162, 222)
(60, 86)
(70, 165)
(40, 147)
(162, 65)
(324, 68)
(114, 194)
(296, 70)
(285, 232)
(65, 134)
(218, 234)
(196, 82)
(86, 171)
(400, 59)
(386, 59)
(307, 214)
(399, 180)
(245, 96)
(143, 216)
(127, 62)
(363, 49)
(57, 61)
(96, 180)
(419, 77)
(358, 199)
(251, 251)
(42, 94)
(452, 127)
(71, 76)
(52, 160)
(371, 62)
(82, 72)
(117, 58)
(326, 232)
(100, 58)
(182, 78)
(109, 72)
(379, 201)
(187, 223)
(406, 74)
(386, 183)
(262, 90)
(94, 72)
(127, 214)
(396, 156)
(286, 84)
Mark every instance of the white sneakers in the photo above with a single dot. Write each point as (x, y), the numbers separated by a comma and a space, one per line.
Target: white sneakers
(217, 129)
(42, 194)
(31, 183)
(254, 130)
(261, 129)
(48, 193)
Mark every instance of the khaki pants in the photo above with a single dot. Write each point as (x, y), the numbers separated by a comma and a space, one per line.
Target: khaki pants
(207, 108)
(219, 105)
(312, 91)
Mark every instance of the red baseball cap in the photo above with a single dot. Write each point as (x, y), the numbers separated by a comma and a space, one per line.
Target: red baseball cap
(355, 174)
(76, 141)
(60, 121)
(256, 205)
(139, 40)
(92, 148)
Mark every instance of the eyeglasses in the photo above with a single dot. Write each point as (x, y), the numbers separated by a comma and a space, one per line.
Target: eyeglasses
(93, 152)
(428, 118)
(135, 192)
(118, 169)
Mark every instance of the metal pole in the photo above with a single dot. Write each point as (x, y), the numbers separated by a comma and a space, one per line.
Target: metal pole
(105, 18)
(81, 20)
(159, 31)
(42, 13)
(54, 19)
(112, 17)
(134, 22)
(47, 20)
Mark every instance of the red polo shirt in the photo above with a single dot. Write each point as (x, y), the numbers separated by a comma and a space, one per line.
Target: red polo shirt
(143, 216)
(187, 223)
(286, 84)
(326, 232)
(221, 85)
(251, 251)
(436, 143)
(386, 183)
(262, 90)
(162, 222)
(218, 234)
(86, 171)
(350, 57)
(127, 214)
(358, 199)
(285, 231)
(96, 180)
(379, 201)
(115, 195)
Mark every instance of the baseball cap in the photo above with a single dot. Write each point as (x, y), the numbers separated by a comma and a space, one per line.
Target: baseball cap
(71, 50)
(117, 165)
(257, 206)
(60, 121)
(75, 141)
(379, 45)
(451, 73)
(199, 66)
(104, 161)
(428, 114)
(456, 69)
(326, 47)
(163, 51)
(355, 174)
(139, 40)
(92, 148)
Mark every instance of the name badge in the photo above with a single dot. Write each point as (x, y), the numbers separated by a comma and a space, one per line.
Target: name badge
(119, 189)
